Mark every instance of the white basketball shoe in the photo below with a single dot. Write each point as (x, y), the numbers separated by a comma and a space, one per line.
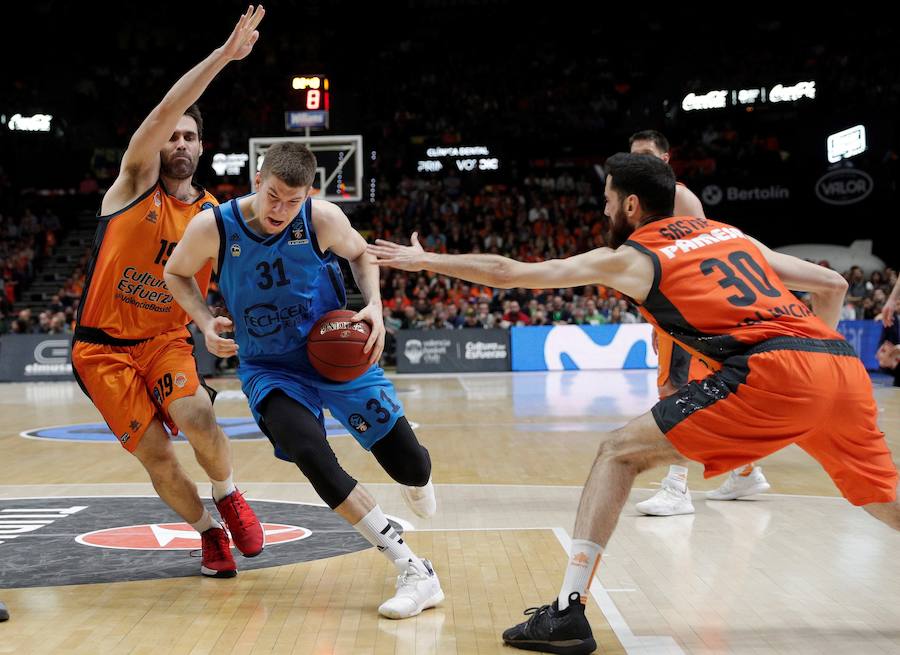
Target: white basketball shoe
(420, 500)
(740, 486)
(670, 500)
(418, 588)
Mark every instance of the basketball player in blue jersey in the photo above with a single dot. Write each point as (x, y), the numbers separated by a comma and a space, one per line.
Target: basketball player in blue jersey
(276, 253)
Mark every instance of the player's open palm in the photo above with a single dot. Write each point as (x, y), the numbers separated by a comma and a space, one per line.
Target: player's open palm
(406, 258)
(241, 41)
(217, 344)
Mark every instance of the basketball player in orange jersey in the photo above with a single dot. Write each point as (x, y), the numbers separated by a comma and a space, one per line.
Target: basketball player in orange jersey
(786, 375)
(677, 367)
(132, 352)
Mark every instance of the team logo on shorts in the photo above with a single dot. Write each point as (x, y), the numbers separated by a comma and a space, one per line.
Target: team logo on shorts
(358, 423)
(124, 438)
(235, 250)
(180, 380)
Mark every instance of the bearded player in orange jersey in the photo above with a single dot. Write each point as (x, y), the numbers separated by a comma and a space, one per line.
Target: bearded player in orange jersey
(677, 367)
(132, 352)
(786, 375)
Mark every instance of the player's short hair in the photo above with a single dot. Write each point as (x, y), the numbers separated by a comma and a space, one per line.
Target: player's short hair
(292, 163)
(657, 138)
(194, 112)
(649, 178)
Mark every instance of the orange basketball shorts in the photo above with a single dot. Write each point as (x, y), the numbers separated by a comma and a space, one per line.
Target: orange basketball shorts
(133, 385)
(676, 365)
(814, 393)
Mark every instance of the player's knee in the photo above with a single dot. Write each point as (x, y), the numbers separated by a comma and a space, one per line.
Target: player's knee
(197, 420)
(320, 466)
(618, 448)
(306, 453)
(161, 464)
(402, 456)
(414, 470)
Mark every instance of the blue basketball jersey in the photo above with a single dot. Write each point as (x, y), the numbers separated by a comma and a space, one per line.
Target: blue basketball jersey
(275, 287)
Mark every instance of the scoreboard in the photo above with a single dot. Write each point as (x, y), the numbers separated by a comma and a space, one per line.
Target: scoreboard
(310, 105)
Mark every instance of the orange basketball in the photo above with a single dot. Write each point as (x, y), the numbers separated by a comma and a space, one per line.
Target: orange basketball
(335, 346)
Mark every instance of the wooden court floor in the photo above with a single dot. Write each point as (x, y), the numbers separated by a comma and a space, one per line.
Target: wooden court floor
(798, 570)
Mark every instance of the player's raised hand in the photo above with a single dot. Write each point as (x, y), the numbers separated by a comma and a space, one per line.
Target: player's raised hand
(218, 345)
(406, 258)
(372, 315)
(241, 41)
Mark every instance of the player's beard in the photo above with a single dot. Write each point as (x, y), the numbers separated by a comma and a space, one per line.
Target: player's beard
(178, 168)
(619, 230)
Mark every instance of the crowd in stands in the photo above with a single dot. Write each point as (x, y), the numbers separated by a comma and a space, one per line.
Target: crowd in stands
(545, 217)
(27, 241)
(549, 95)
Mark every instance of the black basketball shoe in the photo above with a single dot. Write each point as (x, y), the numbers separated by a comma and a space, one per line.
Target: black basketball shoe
(550, 630)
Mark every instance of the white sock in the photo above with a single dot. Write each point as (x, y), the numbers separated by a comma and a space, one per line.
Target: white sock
(205, 522)
(222, 488)
(678, 475)
(580, 571)
(375, 528)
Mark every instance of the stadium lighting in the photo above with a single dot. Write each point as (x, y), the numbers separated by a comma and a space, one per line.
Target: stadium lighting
(36, 123)
(847, 143)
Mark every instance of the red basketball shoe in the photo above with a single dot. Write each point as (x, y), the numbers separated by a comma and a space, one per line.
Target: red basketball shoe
(217, 561)
(246, 532)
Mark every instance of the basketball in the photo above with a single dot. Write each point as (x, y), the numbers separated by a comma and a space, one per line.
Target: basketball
(335, 346)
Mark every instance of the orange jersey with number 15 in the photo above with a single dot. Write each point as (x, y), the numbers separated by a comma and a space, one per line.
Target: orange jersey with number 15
(714, 291)
(125, 297)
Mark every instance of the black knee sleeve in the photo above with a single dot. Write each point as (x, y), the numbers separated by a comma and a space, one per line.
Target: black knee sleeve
(298, 433)
(402, 456)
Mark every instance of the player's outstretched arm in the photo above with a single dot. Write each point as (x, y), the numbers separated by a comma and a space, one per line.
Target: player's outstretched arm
(140, 164)
(199, 244)
(827, 288)
(336, 234)
(623, 269)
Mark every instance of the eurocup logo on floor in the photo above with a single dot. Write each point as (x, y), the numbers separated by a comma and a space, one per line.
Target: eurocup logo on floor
(91, 539)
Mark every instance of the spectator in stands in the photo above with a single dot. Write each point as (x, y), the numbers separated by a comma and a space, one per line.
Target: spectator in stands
(471, 320)
(858, 286)
(454, 319)
(557, 313)
(24, 323)
(515, 316)
(592, 314)
(626, 315)
(58, 324)
(398, 302)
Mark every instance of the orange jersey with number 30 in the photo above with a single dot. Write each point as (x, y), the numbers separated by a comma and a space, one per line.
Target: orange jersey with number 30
(714, 291)
(125, 296)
